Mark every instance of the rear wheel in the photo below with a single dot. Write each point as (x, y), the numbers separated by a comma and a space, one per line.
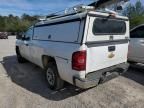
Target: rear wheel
(19, 57)
(53, 79)
(132, 62)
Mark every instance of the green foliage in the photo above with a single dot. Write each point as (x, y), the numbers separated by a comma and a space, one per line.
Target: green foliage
(137, 20)
(16, 24)
(135, 13)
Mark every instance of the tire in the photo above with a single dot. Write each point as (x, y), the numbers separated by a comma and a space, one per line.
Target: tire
(19, 57)
(132, 62)
(52, 76)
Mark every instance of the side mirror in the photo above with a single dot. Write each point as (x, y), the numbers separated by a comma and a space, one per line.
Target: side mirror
(23, 37)
(119, 8)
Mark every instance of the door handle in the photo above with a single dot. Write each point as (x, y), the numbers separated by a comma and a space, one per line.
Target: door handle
(49, 36)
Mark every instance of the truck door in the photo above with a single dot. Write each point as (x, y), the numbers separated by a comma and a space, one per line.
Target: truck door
(27, 43)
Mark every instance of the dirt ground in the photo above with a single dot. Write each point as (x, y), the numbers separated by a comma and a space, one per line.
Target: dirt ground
(24, 86)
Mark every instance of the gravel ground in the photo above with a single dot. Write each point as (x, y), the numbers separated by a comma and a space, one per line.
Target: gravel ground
(24, 86)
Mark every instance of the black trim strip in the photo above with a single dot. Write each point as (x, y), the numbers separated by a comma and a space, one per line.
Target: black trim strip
(59, 22)
(56, 41)
(104, 43)
(101, 16)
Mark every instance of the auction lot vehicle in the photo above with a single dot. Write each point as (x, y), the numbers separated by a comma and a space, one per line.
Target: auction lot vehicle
(84, 48)
(3, 35)
(136, 48)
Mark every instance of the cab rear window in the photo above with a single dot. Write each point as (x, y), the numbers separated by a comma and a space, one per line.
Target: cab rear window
(108, 26)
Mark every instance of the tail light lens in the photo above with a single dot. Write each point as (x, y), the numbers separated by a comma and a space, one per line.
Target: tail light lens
(79, 60)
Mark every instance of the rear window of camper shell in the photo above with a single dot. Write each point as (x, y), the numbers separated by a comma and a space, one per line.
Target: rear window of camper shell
(105, 26)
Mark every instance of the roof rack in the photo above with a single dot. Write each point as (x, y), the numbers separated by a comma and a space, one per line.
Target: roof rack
(82, 8)
(69, 11)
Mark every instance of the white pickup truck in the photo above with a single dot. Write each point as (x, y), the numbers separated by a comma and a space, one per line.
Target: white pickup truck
(84, 49)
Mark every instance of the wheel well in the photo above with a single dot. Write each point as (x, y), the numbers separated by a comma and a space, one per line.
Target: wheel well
(47, 59)
(17, 49)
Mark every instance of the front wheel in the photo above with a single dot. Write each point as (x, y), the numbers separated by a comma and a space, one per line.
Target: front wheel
(19, 57)
(132, 62)
(53, 79)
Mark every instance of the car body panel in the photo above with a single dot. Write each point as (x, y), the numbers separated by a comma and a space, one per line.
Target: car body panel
(136, 47)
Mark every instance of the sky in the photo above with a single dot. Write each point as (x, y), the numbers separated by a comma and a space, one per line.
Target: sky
(38, 7)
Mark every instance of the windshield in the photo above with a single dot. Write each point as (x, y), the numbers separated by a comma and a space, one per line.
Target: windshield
(103, 26)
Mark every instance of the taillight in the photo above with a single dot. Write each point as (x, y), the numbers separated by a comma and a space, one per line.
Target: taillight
(79, 61)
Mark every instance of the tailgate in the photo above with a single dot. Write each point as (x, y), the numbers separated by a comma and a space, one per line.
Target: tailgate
(107, 42)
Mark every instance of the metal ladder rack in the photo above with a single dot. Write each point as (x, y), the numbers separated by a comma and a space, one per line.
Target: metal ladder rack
(69, 11)
(82, 8)
(74, 10)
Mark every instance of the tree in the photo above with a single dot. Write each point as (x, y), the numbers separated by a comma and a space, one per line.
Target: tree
(139, 9)
(135, 13)
(13, 23)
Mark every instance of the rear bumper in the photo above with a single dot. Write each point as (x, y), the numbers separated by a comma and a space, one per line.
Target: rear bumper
(94, 78)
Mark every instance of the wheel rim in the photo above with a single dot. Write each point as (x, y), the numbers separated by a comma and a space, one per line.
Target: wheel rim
(50, 77)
